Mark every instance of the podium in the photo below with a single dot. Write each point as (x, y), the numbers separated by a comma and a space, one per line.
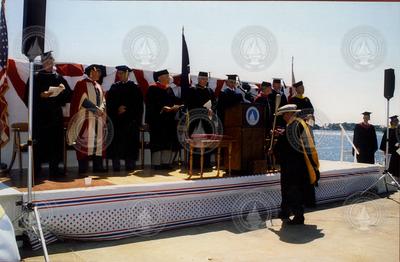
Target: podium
(245, 123)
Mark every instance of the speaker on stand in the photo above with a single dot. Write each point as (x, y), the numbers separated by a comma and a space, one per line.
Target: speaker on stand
(388, 93)
(33, 41)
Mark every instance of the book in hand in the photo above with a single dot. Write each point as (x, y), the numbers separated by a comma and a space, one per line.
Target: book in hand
(56, 90)
(89, 105)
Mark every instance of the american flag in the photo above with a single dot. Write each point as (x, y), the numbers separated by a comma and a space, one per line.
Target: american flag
(4, 127)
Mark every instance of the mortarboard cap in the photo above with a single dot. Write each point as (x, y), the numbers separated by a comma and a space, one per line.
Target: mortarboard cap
(394, 117)
(276, 81)
(366, 113)
(123, 68)
(300, 83)
(232, 77)
(96, 67)
(157, 74)
(266, 84)
(203, 74)
(46, 55)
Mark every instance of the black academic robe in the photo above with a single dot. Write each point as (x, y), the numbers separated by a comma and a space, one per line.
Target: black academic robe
(194, 100)
(227, 99)
(394, 138)
(48, 119)
(264, 101)
(365, 139)
(125, 143)
(302, 103)
(296, 189)
(163, 129)
(279, 120)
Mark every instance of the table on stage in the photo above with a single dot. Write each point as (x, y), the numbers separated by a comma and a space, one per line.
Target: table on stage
(202, 144)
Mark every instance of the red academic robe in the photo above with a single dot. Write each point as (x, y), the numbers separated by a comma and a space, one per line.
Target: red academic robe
(86, 129)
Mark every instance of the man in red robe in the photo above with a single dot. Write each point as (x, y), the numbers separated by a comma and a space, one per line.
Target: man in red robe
(88, 121)
(161, 109)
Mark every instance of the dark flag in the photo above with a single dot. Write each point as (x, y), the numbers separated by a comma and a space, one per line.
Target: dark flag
(185, 72)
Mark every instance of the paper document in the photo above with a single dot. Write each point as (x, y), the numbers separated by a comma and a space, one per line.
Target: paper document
(56, 90)
(208, 104)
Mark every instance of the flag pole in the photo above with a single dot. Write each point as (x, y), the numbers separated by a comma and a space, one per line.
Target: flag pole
(292, 71)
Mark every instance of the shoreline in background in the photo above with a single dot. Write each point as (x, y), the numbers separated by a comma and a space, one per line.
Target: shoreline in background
(329, 145)
(346, 126)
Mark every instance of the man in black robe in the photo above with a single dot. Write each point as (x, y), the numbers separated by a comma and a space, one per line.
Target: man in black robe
(48, 119)
(302, 102)
(394, 145)
(298, 159)
(229, 96)
(277, 89)
(263, 99)
(160, 115)
(125, 109)
(365, 140)
(201, 105)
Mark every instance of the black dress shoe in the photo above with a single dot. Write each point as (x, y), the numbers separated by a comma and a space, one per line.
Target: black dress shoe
(296, 221)
(99, 170)
(116, 165)
(166, 167)
(283, 215)
(157, 167)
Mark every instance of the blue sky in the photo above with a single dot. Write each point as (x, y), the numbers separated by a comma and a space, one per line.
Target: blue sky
(94, 32)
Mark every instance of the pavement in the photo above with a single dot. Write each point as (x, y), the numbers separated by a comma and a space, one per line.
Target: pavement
(359, 229)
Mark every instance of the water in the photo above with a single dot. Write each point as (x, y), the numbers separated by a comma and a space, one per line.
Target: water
(328, 146)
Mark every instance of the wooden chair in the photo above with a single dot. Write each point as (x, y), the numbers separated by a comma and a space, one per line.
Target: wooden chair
(18, 146)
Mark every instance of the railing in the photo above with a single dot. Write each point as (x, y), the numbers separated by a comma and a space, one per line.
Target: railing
(343, 134)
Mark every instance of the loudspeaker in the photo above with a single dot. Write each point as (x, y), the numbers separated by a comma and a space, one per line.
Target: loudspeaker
(33, 30)
(389, 83)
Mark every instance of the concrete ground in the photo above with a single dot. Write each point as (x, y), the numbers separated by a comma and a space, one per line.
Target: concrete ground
(357, 231)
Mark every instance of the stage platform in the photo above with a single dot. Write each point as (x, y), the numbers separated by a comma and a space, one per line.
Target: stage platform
(145, 202)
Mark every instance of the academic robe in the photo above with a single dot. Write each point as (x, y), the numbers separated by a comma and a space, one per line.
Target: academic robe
(263, 100)
(227, 99)
(365, 139)
(48, 119)
(163, 129)
(299, 167)
(125, 142)
(88, 130)
(279, 120)
(194, 100)
(394, 138)
(303, 103)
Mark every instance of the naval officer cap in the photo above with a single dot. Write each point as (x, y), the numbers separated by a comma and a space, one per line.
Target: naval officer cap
(298, 84)
(232, 77)
(46, 55)
(287, 109)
